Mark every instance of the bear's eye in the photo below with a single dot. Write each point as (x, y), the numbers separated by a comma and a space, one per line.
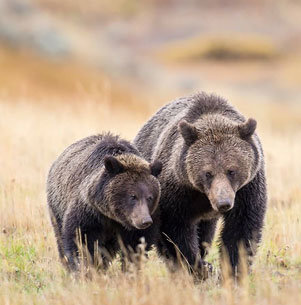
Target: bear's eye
(231, 173)
(133, 197)
(208, 175)
(150, 198)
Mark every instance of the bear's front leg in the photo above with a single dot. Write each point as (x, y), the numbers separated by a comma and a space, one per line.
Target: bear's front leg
(71, 225)
(243, 224)
(135, 245)
(180, 244)
(206, 231)
(84, 231)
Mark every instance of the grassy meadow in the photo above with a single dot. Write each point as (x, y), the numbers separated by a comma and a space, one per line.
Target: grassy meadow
(40, 115)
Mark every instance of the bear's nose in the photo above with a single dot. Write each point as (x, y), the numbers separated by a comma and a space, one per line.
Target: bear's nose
(224, 205)
(146, 222)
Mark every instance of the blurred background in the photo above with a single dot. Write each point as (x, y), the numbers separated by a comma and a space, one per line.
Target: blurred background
(236, 48)
(71, 68)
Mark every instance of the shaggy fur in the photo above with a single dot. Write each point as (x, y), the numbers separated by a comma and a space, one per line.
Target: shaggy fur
(213, 167)
(102, 186)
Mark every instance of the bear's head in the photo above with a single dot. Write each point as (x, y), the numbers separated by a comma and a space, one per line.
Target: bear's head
(221, 157)
(131, 190)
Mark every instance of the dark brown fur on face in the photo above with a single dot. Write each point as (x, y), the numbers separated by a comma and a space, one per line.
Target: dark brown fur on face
(102, 186)
(213, 167)
(131, 194)
(225, 158)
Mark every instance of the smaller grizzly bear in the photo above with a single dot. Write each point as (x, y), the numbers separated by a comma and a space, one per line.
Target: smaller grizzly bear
(102, 186)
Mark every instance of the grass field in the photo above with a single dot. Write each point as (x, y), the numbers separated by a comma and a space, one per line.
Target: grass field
(34, 130)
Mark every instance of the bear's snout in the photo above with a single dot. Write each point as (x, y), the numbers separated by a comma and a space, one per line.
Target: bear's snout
(221, 195)
(140, 216)
(145, 223)
(142, 223)
(224, 205)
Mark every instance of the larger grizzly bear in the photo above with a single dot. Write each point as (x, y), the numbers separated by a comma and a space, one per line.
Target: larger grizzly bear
(102, 186)
(213, 167)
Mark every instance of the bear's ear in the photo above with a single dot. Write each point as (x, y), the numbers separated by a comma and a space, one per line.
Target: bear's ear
(112, 165)
(247, 129)
(188, 132)
(156, 168)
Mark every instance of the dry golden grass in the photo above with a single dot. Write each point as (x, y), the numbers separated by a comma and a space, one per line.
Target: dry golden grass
(34, 130)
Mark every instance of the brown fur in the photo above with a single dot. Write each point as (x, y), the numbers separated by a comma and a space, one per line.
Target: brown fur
(102, 186)
(213, 167)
